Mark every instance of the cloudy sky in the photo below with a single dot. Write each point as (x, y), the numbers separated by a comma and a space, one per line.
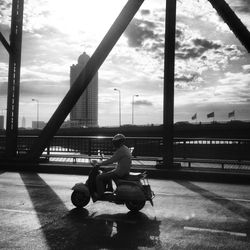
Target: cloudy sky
(212, 71)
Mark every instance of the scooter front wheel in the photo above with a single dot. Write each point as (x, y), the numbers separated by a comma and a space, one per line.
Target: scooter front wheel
(79, 199)
(135, 206)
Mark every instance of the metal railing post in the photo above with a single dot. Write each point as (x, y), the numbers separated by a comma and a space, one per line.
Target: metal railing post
(89, 146)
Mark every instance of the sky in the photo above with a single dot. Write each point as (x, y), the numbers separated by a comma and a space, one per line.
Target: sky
(212, 68)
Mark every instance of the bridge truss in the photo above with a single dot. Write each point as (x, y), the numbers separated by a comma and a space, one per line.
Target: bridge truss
(94, 63)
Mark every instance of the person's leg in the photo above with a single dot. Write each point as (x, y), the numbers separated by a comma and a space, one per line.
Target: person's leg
(103, 178)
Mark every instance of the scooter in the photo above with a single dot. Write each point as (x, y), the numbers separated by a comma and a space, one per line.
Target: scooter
(133, 191)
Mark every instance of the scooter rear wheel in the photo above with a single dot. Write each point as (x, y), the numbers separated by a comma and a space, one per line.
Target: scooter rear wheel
(135, 206)
(79, 199)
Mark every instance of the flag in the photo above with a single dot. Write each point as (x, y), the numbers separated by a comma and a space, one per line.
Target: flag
(194, 117)
(231, 114)
(210, 115)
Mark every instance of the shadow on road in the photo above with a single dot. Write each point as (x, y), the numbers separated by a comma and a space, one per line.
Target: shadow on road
(80, 229)
(48, 206)
(228, 204)
(115, 231)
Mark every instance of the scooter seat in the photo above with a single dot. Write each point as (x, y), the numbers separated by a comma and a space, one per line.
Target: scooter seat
(135, 176)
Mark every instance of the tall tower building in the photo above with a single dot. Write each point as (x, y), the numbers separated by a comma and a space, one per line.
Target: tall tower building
(1, 122)
(23, 122)
(85, 112)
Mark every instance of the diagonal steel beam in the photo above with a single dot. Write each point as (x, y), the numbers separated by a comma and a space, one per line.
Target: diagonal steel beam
(5, 43)
(85, 77)
(234, 23)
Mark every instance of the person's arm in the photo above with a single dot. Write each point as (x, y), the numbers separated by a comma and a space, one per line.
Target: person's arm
(114, 158)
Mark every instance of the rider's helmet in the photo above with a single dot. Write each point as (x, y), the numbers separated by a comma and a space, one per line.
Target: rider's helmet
(118, 140)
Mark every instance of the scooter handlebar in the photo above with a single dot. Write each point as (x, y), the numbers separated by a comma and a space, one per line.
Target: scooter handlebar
(93, 163)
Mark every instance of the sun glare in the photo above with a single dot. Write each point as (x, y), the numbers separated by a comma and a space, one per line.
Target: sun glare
(92, 16)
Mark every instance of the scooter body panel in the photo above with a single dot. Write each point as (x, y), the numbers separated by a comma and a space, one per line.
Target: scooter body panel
(130, 192)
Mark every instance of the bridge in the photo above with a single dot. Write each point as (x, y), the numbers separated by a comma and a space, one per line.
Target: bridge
(35, 207)
(164, 152)
(97, 59)
(200, 156)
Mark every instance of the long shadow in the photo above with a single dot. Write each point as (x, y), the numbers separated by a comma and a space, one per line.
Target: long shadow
(78, 229)
(230, 205)
(43, 197)
(48, 206)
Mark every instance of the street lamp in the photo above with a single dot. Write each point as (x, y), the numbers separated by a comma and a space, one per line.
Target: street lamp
(133, 108)
(37, 111)
(115, 89)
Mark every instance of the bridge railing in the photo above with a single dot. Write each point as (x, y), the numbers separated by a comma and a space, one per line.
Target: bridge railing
(203, 148)
(212, 148)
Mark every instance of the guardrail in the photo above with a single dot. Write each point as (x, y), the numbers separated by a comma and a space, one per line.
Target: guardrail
(184, 148)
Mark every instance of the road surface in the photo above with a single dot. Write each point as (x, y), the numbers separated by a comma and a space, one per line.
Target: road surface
(36, 213)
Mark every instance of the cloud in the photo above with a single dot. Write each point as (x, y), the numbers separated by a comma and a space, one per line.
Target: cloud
(205, 44)
(188, 81)
(241, 5)
(43, 88)
(143, 103)
(210, 66)
(5, 11)
(193, 47)
(194, 52)
(38, 88)
(3, 71)
(242, 9)
(186, 78)
(145, 12)
(202, 54)
(3, 88)
(246, 68)
(138, 31)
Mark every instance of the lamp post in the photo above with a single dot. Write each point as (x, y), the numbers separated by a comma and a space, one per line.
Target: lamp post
(37, 112)
(133, 108)
(115, 89)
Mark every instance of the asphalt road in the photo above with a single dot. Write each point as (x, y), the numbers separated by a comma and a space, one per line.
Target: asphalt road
(36, 213)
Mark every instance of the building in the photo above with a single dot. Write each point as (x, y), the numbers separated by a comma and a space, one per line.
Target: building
(38, 124)
(1, 122)
(23, 122)
(85, 112)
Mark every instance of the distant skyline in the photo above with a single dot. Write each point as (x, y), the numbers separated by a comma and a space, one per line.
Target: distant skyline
(85, 112)
(212, 72)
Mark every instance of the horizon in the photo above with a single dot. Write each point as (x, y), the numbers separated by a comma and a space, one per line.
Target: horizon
(211, 122)
(212, 71)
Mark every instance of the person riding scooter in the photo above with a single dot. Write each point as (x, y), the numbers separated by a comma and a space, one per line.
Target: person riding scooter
(122, 156)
